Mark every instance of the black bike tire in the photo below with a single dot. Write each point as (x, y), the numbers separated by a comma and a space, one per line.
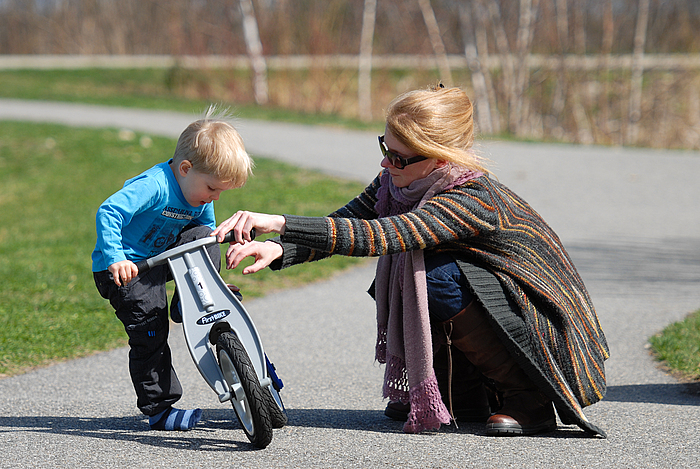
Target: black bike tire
(261, 436)
(277, 414)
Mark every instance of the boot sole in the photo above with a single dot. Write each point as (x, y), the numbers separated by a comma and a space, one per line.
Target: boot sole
(499, 429)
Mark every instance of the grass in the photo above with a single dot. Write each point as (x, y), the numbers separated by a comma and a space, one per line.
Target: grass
(678, 347)
(168, 89)
(52, 179)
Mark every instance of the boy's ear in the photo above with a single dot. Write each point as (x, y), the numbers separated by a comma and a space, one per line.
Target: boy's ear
(184, 167)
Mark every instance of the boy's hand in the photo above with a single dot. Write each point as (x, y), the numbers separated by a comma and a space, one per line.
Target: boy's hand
(242, 222)
(236, 291)
(123, 272)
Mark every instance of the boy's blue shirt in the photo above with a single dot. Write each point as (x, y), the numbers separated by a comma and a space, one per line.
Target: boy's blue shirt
(144, 217)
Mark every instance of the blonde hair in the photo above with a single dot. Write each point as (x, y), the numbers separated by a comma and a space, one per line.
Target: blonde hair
(214, 147)
(437, 123)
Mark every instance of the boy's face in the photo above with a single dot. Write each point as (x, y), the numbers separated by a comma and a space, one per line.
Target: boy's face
(199, 188)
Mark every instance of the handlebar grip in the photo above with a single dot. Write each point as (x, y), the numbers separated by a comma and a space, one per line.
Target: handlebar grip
(143, 266)
(229, 236)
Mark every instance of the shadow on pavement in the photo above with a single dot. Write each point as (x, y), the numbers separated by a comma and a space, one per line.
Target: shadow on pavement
(639, 263)
(135, 429)
(131, 429)
(376, 421)
(670, 394)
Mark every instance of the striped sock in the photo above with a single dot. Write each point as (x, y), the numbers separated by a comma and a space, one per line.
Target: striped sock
(175, 419)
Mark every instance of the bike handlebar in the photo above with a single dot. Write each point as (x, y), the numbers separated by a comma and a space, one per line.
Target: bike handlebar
(147, 264)
(228, 238)
(143, 266)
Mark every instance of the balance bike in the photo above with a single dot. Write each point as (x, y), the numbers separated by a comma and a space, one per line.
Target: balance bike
(223, 341)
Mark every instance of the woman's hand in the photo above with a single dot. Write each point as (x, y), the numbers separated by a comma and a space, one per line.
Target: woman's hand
(123, 272)
(242, 222)
(264, 254)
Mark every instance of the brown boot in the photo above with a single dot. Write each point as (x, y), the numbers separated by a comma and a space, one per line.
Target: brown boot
(470, 402)
(467, 399)
(525, 413)
(397, 410)
(525, 410)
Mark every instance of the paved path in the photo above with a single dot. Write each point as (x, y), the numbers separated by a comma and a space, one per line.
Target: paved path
(629, 219)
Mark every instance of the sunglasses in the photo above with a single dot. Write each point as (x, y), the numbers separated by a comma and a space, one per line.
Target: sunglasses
(398, 162)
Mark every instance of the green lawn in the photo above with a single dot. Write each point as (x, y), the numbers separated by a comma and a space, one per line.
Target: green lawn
(169, 89)
(678, 347)
(52, 179)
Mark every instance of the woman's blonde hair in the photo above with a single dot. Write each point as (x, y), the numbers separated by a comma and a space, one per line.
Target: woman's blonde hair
(437, 123)
(214, 147)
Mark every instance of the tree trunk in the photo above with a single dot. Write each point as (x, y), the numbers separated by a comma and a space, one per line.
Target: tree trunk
(604, 72)
(482, 47)
(526, 29)
(255, 51)
(580, 26)
(481, 95)
(692, 138)
(516, 70)
(364, 85)
(635, 106)
(503, 48)
(561, 88)
(436, 41)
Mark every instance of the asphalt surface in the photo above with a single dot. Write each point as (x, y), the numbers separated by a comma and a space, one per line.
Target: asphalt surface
(628, 217)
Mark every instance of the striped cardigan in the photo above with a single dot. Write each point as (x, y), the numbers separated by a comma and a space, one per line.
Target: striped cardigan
(514, 262)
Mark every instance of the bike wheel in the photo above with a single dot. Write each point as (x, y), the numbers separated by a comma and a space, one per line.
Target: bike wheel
(248, 398)
(275, 407)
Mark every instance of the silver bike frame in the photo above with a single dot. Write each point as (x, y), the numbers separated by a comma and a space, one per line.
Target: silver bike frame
(206, 300)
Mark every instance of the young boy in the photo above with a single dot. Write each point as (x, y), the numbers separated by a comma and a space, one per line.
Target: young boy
(165, 206)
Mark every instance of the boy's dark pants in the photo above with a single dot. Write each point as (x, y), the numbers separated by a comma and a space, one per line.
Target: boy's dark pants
(142, 305)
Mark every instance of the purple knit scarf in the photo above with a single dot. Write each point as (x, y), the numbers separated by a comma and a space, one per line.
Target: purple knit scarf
(404, 341)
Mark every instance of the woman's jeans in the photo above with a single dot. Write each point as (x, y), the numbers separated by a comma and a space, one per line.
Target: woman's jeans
(448, 290)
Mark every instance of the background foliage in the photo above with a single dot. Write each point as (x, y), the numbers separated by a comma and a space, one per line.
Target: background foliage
(182, 27)
(600, 87)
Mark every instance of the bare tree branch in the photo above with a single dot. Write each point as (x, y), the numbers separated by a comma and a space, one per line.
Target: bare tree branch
(478, 72)
(503, 48)
(364, 84)
(255, 51)
(516, 71)
(526, 29)
(606, 50)
(635, 106)
(560, 91)
(436, 40)
(580, 26)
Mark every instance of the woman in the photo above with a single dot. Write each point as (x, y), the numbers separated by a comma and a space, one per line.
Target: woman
(469, 278)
